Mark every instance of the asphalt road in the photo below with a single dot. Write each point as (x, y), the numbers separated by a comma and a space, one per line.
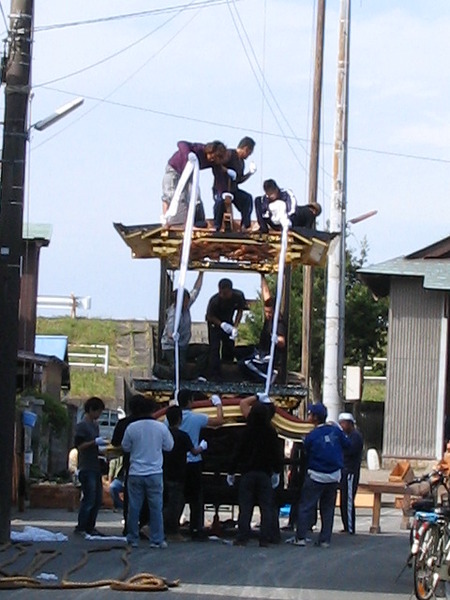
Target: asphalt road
(357, 567)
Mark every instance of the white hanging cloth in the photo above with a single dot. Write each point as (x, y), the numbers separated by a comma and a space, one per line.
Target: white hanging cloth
(192, 166)
(279, 294)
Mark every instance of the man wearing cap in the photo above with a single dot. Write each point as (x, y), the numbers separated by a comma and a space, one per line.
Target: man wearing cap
(324, 461)
(350, 472)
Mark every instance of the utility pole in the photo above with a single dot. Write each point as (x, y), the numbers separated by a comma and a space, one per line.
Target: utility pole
(335, 297)
(308, 272)
(17, 77)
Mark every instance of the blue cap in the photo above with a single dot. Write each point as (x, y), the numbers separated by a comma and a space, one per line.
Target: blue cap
(318, 410)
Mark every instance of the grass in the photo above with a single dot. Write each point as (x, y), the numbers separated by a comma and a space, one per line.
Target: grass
(86, 382)
(374, 391)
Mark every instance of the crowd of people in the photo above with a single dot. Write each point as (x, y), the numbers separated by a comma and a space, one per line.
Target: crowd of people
(273, 209)
(161, 471)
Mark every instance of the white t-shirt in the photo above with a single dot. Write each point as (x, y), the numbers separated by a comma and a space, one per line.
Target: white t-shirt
(145, 440)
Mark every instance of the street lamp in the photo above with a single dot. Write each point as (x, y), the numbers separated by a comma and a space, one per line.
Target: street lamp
(59, 113)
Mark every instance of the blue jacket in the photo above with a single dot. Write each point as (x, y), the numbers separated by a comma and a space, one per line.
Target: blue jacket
(324, 448)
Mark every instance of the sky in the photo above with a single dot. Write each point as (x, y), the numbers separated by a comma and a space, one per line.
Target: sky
(222, 70)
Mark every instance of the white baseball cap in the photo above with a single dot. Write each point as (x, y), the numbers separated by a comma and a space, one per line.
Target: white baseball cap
(346, 416)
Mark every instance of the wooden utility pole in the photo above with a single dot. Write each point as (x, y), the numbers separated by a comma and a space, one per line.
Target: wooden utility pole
(17, 77)
(308, 273)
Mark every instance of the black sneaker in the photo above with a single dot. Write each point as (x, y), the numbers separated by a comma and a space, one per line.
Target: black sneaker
(79, 532)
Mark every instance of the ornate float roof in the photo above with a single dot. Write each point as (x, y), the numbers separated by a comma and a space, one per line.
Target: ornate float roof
(226, 250)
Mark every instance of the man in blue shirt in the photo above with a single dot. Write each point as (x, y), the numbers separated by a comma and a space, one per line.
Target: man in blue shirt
(324, 461)
(192, 423)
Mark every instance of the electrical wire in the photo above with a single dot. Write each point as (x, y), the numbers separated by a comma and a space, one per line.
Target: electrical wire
(118, 52)
(238, 127)
(124, 82)
(260, 84)
(144, 13)
(5, 21)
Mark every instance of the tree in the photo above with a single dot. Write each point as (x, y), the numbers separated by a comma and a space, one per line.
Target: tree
(365, 320)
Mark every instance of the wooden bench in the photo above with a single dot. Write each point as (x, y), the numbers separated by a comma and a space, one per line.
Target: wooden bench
(378, 488)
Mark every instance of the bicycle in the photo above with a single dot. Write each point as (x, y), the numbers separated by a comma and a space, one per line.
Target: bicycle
(430, 551)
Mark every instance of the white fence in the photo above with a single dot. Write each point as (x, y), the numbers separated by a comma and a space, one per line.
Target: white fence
(91, 356)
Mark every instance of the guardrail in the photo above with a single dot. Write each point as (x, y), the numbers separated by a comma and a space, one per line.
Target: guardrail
(95, 356)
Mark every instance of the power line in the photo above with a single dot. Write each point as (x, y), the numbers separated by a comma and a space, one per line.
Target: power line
(239, 127)
(144, 13)
(118, 52)
(125, 81)
(263, 83)
(4, 16)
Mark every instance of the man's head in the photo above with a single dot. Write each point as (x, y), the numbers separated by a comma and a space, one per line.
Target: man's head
(94, 407)
(186, 298)
(315, 208)
(269, 305)
(185, 399)
(245, 147)
(271, 190)
(136, 404)
(149, 406)
(317, 413)
(215, 152)
(225, 289)
(347, 421)
(174, 416)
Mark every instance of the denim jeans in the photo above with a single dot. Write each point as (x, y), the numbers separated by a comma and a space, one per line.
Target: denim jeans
(115, 489)
(149, 488)
(91, 500)
(255, 488)
(313, 493)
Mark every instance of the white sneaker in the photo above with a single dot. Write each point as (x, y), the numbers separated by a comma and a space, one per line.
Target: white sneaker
(295, 541)
(161, 546)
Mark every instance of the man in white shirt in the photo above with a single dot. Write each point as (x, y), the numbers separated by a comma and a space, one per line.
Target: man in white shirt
(145, 440)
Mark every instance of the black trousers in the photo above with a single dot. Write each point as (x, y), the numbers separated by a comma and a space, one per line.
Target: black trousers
(255, 489)
(348, 487)
(193, 493)
(173, 505)
(220, 348)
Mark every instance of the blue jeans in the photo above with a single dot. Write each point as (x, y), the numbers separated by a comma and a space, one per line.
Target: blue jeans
(313, 493)
(150, 488)
(91, 500)
(115, 489)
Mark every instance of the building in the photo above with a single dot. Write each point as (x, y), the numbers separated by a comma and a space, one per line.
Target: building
(418, 373)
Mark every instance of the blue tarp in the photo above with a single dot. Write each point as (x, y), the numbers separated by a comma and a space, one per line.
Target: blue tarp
(52, 345)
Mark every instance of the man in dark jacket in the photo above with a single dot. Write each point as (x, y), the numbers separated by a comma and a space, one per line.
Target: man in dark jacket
(350, 472)
(223, 315)
(258, 459)
(324, 462)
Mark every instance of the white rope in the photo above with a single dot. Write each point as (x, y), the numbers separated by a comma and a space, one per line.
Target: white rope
(174, 203)
(279, 294)
(191, 167)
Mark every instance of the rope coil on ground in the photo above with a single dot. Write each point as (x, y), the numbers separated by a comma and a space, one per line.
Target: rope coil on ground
(141, 582)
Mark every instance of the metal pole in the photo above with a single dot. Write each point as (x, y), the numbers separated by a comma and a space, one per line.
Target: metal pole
(335, 299)
(17, 76)
(308, 272)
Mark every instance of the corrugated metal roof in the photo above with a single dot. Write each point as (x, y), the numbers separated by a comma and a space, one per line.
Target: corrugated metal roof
(37, 231)
(52, 345)
(435, 272)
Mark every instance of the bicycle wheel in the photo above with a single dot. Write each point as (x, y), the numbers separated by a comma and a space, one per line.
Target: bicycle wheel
(425, 563)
